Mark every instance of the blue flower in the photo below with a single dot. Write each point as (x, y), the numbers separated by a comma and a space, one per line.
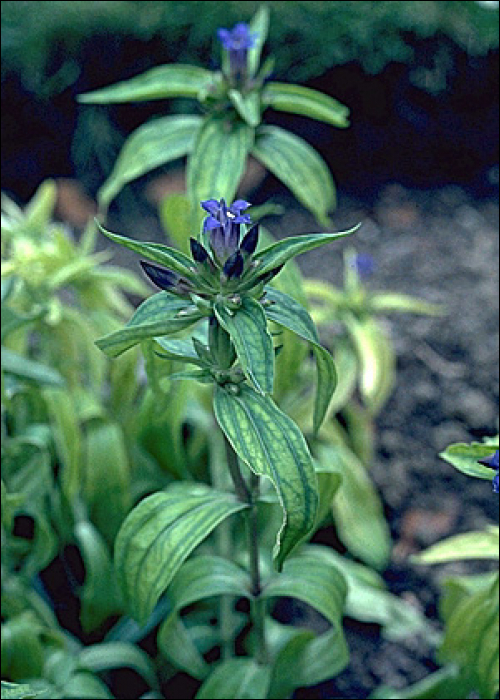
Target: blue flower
(224, 223)
(236, 42)
(364, 265)
(492, 463)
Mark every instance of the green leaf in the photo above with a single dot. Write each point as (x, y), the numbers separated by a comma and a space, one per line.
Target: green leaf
(470, 545)
(107, 477)
(40, 209)
(471, 639)
(24, 368)
(388, 301)
(259, 25)
(107, 655)
(67, 434)
(151, 145)
(175, 218)
(301, 100)
(155, 84)
(180, 349)
(308, 659)
(161, 314)
(218, 160)
(159, 534)
(367, 537)
(236, 678)
(285, 311)
(368, 600)
(271, 445)
(279, 253)
(464, 457)
(199, 578)
(376, 358)
(247, 327)
(98, 595)
(157, 252)
(247, 106)
(24, 691)
(293, 161)
(440, 685)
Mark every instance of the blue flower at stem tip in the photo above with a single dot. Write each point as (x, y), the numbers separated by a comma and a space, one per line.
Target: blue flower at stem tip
(236, 42)
(492, 463)
(223, 261)
(224, 223)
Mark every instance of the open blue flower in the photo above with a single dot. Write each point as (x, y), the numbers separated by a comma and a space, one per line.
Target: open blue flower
(236, 42)
(224, 223)
(492, 463)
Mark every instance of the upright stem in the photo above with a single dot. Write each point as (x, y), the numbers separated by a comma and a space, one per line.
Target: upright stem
(250, 495)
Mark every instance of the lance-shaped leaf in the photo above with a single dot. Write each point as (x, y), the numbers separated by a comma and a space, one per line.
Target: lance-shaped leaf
(157, 252)
(155, 84)
(159, 534)
(286, 312)
(470, 545)
(271, 445)
(293, 161)
(237, 678)
(161, 314)
(259, 26)
(312, 658)
(108, 655)
(279, 253)
(180, 349)
(376, 358)
(247, 106)
(151, 145)
(368, 537)
(199, 578)
(464, 457)
(471, 638)
(218, 160)
(297, 99)
(247, 327)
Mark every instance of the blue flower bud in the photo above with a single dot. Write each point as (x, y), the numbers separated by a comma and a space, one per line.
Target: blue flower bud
(198, 251)
(167, 280)
(233, 267)
(493, 463)
(250, 240)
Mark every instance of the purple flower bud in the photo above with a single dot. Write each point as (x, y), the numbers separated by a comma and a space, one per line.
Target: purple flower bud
(165, 279)
(493, 463)
(233, 267)
(198, 251)
(250, 240)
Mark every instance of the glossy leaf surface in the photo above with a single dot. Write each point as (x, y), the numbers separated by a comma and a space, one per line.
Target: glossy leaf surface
(155, 84)
(271, 445)
(247, 327)
(159, 534)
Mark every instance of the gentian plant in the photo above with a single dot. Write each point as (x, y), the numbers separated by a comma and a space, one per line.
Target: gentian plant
(218, 141)
(222, 294)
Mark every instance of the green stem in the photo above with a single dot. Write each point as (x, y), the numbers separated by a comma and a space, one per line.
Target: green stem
(250, 496)
(224, 547)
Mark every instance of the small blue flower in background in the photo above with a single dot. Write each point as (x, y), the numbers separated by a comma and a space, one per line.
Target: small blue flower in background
(364, 265)
(224, 222)
(236, 42)
(492, 463)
